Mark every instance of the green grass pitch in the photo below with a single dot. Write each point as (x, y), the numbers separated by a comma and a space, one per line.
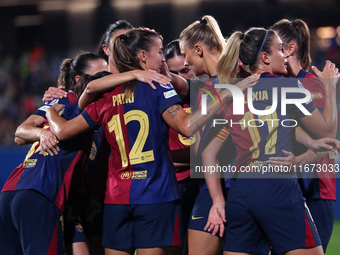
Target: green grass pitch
(334, 244)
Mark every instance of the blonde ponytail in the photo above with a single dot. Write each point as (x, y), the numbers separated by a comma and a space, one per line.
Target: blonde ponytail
(205, 31)
(227, 65)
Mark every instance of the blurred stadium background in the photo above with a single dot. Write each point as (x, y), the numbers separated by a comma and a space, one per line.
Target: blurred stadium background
(35, 35)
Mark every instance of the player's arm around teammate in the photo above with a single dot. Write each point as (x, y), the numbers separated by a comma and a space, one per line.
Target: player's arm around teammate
(175, 116)
(70, 71)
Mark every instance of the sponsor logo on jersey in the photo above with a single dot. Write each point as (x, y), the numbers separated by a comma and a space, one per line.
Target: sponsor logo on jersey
(30, 163)
(169, 86)
(140, 175)
(137, 175)
(316, 95)
(169, 94)
(303, 87)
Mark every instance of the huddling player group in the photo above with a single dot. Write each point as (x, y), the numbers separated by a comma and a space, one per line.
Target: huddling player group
(109, 166)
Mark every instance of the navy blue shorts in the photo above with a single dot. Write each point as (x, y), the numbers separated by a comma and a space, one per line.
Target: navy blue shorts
(322, 211)
(268, 212)
(200, 212)
(29, 222)
(142, 226)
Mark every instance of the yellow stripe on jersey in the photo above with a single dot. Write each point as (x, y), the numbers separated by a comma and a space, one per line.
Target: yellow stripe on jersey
(223, 134)
(218, 132)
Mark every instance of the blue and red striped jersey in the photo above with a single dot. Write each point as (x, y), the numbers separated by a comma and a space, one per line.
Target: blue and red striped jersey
(178, 142)
(140, 169)
(259, 137)
(51, 175)
(323, 183)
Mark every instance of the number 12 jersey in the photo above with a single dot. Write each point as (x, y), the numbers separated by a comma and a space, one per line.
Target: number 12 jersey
(140, 168)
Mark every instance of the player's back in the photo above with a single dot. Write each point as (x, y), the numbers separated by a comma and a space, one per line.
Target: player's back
(141, 170)
(51, 175)
(268, 133)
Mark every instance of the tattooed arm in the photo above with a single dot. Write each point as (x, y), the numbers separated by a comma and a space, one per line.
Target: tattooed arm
(188, 125)
(178, 119)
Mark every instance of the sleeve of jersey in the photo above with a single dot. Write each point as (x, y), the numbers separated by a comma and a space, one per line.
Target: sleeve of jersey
(91, 116)
(41, 111)
(166, 97)
(220, 133)
(71, 111)
(309, 106)
(315, 86)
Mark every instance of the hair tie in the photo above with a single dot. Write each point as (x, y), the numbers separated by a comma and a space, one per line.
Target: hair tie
(242, 35)
(203, 21)
(122, 37)
(264, 40)
(294, 23)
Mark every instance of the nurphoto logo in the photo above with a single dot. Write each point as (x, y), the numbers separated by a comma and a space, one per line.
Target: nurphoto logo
(238, 100)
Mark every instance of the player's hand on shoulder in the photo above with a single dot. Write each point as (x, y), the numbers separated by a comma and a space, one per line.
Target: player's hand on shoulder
(148, 76)
(53, 93)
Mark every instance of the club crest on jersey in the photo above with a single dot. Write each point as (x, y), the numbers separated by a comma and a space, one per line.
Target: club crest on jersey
(169, 94)
(168, 86)
(79, 228)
